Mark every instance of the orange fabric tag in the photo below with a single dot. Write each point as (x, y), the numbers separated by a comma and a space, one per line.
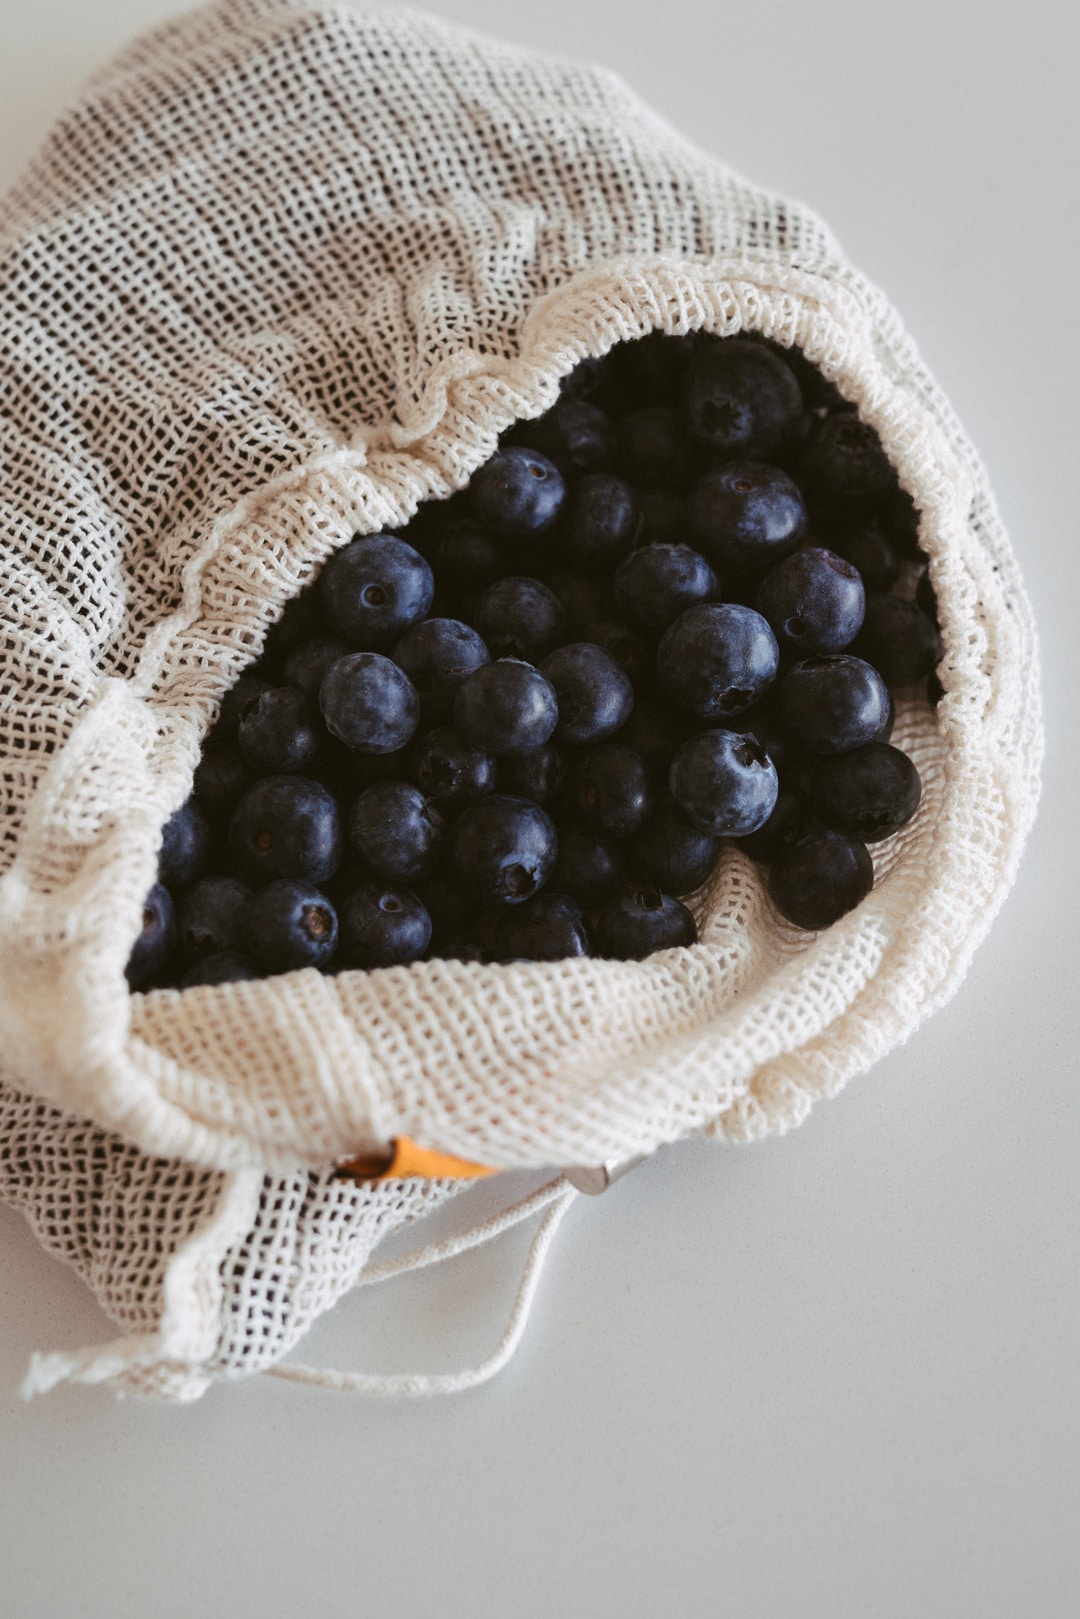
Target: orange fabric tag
(410, 1159)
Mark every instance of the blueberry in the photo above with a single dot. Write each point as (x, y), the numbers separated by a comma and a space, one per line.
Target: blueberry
(278, 734)
(537, 775)
(843, 470)
(791, 819)
(833, 703)
(740, 400)
(186, 841)
(506, 707)
(588, 866)
(518, 492)
(654, 451)
(468, 554)
(299, 619)
(717, 659)
(724, 782)
(396, 831)
(602, 521)
(374, 589)
(631, 649)
(656, 729)
(595, 697)
(869, 549)
(450, 770)
(238, 695)
(289, 924)
(575, 434)
(383, 927)
(898, 639)
(641, 921)
(437, 655)
(746, 516)
(670, 852)
(664, 517)
(501, 850)
(153, 950)
(609, 789)
(208, 916)
(308, 662)
(819, 878)
(227, 967)
(287, 826)
(520, 618)
(869, 793)
(655, 583)
(899, 522)
(584, 598)
(221, 777)
(549, 927)
(814, 601)
(369, 703)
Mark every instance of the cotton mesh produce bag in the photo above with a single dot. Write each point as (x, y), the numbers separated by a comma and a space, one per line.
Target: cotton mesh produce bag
(286, 272)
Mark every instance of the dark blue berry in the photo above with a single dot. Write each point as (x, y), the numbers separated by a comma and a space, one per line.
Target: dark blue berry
(374, 589)
(537, 775)
(450, 770)
(655, 583)
(595, 697)
(501, 850)
(468, 554)
(396, 831)
(867, 548)
(664, 517)
(654, 451)
(746, 516)
(287, 826)
(575, 434)
(518, 492)
(383, 927)
(506, 707)
(549, 927)
(307, 663)
(186, 841)
(842, 469)
(609, 789)
(278, 733)
(814, 601)
(833, 703)
(602, 521)
(221, 777)
(670, 852)
(369, 703)
(437, 655)
(819, 878)
(869, 794)
(520, 618)
(235, 699)
(588, 866)
(641, 921)
(631, 649)
(724, 782)
(898, 639)
(208, 916)
(791, 819)
(717, 659)
(740, 400)
(227, 967)
(289, 924)
(152, 953)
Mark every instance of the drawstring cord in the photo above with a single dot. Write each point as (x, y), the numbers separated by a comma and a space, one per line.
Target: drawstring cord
(556, 1197)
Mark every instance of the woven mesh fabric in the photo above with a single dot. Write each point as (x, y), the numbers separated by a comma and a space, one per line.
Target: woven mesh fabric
(284, 273)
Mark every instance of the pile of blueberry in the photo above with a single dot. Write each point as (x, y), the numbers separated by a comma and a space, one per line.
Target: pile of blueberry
(667, 613)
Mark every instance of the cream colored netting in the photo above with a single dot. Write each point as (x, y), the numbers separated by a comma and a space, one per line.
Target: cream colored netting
(286, 271)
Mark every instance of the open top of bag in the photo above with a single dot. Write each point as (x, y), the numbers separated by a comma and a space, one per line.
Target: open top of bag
(286, 272)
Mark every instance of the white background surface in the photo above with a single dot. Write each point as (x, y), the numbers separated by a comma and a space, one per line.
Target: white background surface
(830, 1375)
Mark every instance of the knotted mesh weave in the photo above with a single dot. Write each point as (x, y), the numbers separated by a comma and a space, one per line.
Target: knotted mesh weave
(284, 273)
